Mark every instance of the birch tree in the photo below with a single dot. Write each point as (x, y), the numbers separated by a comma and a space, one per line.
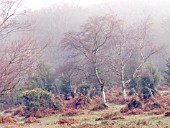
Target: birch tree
(91, 45)
(132, 41)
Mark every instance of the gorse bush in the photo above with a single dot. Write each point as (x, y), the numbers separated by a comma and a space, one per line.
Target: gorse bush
(84, 89)
(132, 91)
(134, 104)
(146, 84)
(146, 93)
(65, 88)
(44, 77)
(149, 81)
(150, 78)
(38, 98)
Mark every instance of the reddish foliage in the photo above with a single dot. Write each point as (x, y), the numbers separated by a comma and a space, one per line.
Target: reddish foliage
(163, 86)
(135, 111)
(113, 96)
(80, 101)
(134, 106)
(157, 104)
(67, 121)
(7, 119)
(32, 120)
(98, 119)
(110, 116)
(49, 111)
(117, 118)
(8, 111)
(96, 99)
(167, 114)
(149, 106)
(99, 107)
(19, 111)
(143, 122)
(158, 111)
(124, 109)
(40, 113)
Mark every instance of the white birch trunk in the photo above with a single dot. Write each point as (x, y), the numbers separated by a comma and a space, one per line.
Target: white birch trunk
(103, 98)
(124, 94)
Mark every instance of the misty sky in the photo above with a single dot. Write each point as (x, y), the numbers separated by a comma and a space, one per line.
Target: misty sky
(128, 8)
(37, 4)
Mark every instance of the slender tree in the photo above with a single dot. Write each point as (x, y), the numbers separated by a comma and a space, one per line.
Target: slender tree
(91, 45)
(132, 41)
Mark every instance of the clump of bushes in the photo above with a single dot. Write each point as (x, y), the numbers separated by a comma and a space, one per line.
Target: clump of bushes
(167, 114)
(84, 89)
(80, 101)
(65, 89)
(100, 107)
(145, 85)
(133, 107)
(31, 120)
(67, 121)
(156, 105)
(134, 104)
(18, 111)
(7, 119)
(37, 100)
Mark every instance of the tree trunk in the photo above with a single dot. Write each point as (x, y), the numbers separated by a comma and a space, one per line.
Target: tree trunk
(124, 91)
(101, 82)
(123, 82)
(103, 95)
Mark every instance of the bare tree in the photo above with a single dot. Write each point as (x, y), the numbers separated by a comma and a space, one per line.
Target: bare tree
(91, 46)
(132, 41)
(10, 17)
(17, 59)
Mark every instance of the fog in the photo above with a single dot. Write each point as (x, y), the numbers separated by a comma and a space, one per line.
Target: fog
(51, 20)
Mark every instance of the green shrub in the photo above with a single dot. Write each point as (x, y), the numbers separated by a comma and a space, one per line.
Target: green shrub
(58, 103)
(65, 88)
(146, 93)
(132, 91)
(44, 77)
(134, 104)
(38, 98)
(156, 105)
(150, 78)
(84, 89)
(146, 84)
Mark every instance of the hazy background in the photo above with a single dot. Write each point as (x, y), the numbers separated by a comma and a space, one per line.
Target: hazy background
(52, 18)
